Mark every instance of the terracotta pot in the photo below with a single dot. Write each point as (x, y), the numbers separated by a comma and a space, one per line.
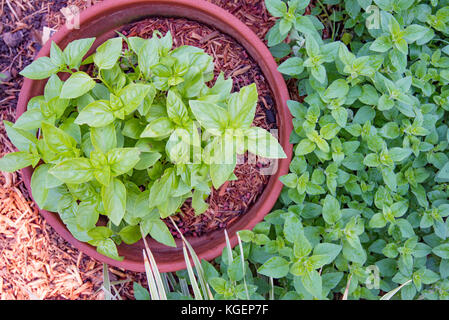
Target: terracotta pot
(100, 21)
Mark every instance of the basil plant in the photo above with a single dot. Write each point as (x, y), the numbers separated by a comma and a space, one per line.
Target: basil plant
(133, 138)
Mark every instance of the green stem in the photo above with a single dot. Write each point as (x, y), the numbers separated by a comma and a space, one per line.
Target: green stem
(102, 81)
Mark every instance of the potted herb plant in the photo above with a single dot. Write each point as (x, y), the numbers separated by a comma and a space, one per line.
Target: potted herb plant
(134, 131)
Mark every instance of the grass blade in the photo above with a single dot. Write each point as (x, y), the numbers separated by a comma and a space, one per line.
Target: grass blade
(165, 282)
(106, 283)
(150, 278)
(193, 282)
(391, 293)
(199, 269)
(228, 247)
(155, 271)
(184, 287)
(272, 289)
(243, 265)
(345, 294)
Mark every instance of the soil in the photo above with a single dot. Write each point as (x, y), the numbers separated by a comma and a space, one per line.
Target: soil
(235, 198)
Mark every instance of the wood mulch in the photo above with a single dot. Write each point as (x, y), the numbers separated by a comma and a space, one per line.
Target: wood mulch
(35, 262)
(236, 197)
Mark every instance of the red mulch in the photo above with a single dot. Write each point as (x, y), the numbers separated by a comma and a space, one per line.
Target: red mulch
(35, 262)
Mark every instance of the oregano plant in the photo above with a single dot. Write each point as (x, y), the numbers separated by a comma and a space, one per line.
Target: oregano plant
(365, 205)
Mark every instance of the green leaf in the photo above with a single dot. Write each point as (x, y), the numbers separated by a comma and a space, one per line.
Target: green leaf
(104, 138)
(77, 85)
(108, 248)
(290, 180)
(442, 250)
(276, 8)
(76, 50)
(354, 162)
(211, 116)
(130, 234)
(242, 107)
(276, 267)
(264, 144)
(159, 231)
(100, 233)
(122, 160)
(390, 178)
(378, 221)
(114, 200)
(381, 44)
(96, 114)
(133, 95)
(292, 66)
(148, 56)
(176, 109)
(443, 174)
(399, 154)
(159, 128)
(338, 89)
(56, 55)
(14, 161)
(305, 147)
(329, 250)
(147, 159)
(41, 68)
(39, 185)
(140, 293)
(87, 215)
(414, 32)
(274, 35)
(23, 140)
(312, 282)
(73, 171)
(331, 210)
(107, 55)
(198, 203)
(29, 120)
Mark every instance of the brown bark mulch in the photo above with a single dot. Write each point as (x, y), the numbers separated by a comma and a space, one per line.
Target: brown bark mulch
(35, 262)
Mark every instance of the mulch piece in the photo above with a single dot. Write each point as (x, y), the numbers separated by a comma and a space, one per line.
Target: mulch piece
(236, 197)
(35, 262)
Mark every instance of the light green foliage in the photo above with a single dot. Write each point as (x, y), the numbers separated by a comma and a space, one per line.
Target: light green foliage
(134, 139)
(371, 143)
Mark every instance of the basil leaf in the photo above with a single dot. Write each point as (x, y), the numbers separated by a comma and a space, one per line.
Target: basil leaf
(104, 138)
(75, 171)
(114, 200)
(108, 53)
(159, 231)
(96, 114)
(22, 139)
(211, 116)
(17, 160)
(77, 85)
(132, 96)
(41, 68)
(76, 50)
(122, 160)
(242, 107)
(264, 144)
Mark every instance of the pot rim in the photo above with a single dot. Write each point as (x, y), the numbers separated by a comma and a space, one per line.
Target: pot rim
(205, 13)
